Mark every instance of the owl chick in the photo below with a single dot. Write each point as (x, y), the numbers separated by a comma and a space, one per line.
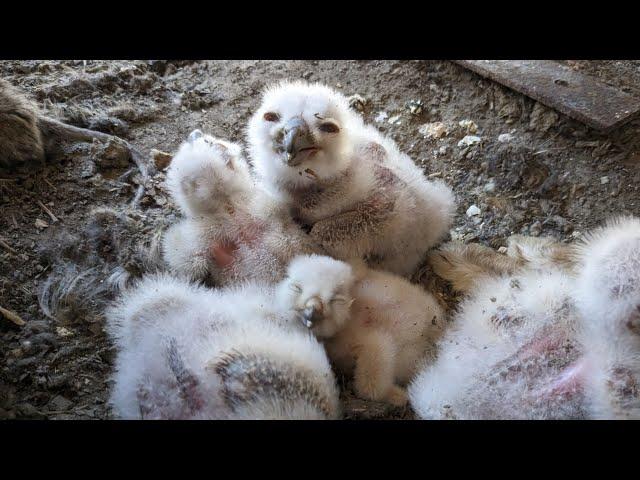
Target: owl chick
(232, 230)
(354, 190)
(608, 299)
(539, 336)
(186, 352)
(374, 325)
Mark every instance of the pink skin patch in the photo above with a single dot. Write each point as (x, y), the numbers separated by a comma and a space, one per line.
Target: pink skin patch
(249, 234)
(222, 253)
(373, 152)
(545, 341)
(531, 362)
(568, 384)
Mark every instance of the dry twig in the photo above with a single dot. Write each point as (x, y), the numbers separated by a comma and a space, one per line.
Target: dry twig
(12, 317)
(54, 219)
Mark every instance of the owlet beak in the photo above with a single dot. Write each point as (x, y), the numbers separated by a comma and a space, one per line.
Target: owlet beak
(313, 312)
(297, 137)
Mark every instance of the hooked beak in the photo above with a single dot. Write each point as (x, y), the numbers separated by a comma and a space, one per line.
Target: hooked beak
(313, 312)
(296, 138)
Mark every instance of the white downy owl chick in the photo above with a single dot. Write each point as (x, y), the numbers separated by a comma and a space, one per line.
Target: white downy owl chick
(533, 339)
(346, 182)
(608, 298)
(233, 231)
(187, 352)
(375, 325)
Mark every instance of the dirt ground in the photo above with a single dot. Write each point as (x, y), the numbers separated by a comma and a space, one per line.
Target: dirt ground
(533, 171)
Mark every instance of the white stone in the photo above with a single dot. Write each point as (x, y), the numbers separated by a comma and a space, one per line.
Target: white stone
(472, 211)
(433, 130)
(505, 137)
(41, 223)
(381, 117)
(469, 140)
(490, 187)
(469, 125)
(456, 236)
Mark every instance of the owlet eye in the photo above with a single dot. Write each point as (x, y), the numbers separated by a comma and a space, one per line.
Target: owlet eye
(295, 287)
(329, 127)
(271, 117)
(339, 299)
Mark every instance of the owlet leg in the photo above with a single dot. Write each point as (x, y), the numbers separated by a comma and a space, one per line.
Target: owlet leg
(374, 374)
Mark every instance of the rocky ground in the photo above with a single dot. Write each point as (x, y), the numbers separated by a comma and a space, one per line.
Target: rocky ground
(516, 167)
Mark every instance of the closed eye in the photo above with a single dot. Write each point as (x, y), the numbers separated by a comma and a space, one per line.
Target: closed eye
(295, 287)
(339, 299)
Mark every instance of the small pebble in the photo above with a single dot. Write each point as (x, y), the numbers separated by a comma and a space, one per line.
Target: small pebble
(469, 125)
(604, 180)
(415, 107)
(381, 117)
(433, 130)
(395, 120)
(505, 137)
(63, 332)
(472, 211)
(455, 235)
(502, 250)
(469, 140)
(357, 102)
(489, 187)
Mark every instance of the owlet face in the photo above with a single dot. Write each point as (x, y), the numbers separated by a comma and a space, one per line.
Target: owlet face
(299, 131)
(317, 290)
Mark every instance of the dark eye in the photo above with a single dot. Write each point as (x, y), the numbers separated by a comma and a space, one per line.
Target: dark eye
(271, 117)
(329, 127)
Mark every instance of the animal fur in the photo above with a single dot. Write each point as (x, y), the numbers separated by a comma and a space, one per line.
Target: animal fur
(546, 333)
(28, 138)
(21, 141)
(90, 267)
(233, 231)
(375, 326)
(358, 195)
(186, 352)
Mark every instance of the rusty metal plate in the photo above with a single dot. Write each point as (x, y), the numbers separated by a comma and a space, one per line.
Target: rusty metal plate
(578, 96)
